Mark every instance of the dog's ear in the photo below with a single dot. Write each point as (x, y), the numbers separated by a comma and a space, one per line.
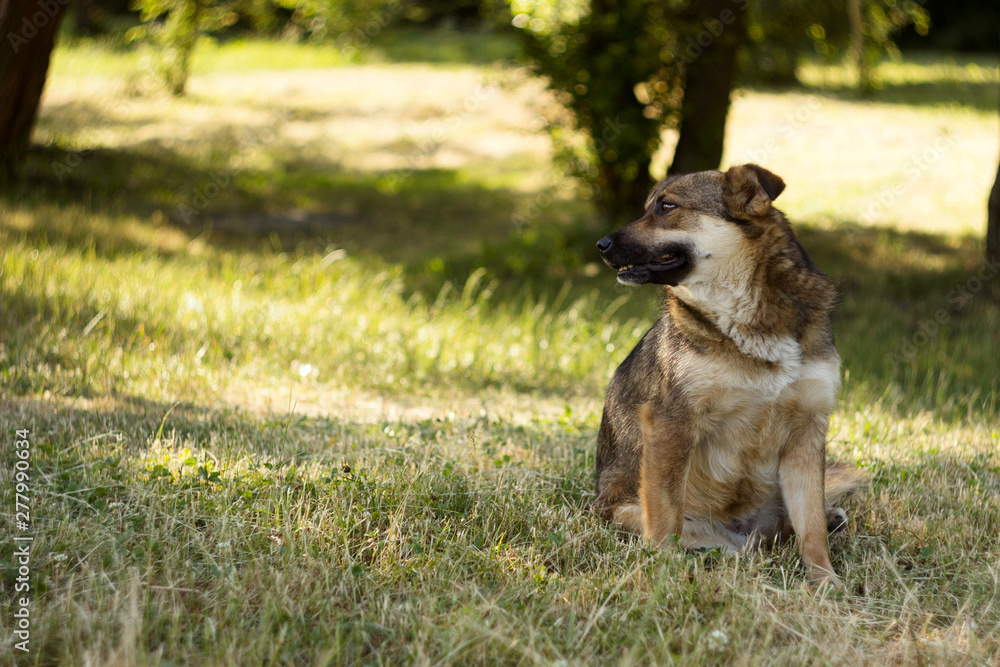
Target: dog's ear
(750, 189)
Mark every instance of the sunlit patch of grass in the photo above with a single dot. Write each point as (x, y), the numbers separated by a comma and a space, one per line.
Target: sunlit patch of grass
(872, 163)
(262, 55)
(112, 56)
(943, 69)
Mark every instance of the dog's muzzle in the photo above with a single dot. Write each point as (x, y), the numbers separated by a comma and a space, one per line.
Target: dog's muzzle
(637, 266)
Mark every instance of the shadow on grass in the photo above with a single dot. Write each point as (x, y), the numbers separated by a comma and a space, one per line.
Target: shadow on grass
(460, 47)
(929, 483)
(409, 217)
(948, 80)
(981, 96)
(294, 435)
(400, 216)
(279, 439)
(32, 367)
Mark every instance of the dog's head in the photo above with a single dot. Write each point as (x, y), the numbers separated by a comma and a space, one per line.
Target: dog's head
(693, 226)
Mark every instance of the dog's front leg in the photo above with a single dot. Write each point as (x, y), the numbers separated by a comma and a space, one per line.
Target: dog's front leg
(666, 454)
(800, 473)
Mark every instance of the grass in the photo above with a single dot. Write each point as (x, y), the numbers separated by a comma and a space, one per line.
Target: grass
(299, 391)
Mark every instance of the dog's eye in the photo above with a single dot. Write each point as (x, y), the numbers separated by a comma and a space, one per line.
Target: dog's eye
(667, 206)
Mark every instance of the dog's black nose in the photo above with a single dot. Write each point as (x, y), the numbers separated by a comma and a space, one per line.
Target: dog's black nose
(604, 244)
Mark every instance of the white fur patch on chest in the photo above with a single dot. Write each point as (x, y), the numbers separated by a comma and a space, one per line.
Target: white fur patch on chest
(817, 384)
(717, 375)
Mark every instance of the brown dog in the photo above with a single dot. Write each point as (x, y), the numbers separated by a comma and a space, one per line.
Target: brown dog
(714, 426)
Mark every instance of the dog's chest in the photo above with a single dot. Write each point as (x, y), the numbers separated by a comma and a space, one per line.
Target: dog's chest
(718, 386)
(741, 411)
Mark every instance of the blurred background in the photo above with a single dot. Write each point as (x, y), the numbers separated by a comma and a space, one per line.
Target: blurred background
(207, 198)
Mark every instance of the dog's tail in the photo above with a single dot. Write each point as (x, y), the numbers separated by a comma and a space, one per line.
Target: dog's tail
(841, 481)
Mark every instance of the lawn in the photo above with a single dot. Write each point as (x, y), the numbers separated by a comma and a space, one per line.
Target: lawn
(312, 364)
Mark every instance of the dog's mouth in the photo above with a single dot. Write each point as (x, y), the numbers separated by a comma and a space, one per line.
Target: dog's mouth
(659, 270)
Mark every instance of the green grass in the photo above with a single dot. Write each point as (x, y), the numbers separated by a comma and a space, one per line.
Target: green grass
(346, 411)
(927, 79)
(445, 46)
(112, 55)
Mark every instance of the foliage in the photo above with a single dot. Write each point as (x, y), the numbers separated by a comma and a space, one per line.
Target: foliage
(174, 27)
(881, 20)
(619, 68)
(959, 25)
(781, 31)
(615, 70)
(345, 22)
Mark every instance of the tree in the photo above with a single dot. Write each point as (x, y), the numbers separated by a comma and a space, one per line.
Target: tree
(174, 26)
(83, 20)
(628, 69)
(708, 82)
(780, 31)
(345, 22)
(873, 25)
(861, 63)
(28, 29)
(612, 65)
(993, 222)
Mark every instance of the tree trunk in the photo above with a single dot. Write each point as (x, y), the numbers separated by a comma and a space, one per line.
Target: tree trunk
(28, 31)
(182, 36)
(624, 139)
(856, 22)
(708, 82)
(82, 25)
(993, 224)
(626, 185)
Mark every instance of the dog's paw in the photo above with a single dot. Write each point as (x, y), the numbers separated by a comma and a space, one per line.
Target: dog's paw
(827, 582)
(628, 518)
(836, 519)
